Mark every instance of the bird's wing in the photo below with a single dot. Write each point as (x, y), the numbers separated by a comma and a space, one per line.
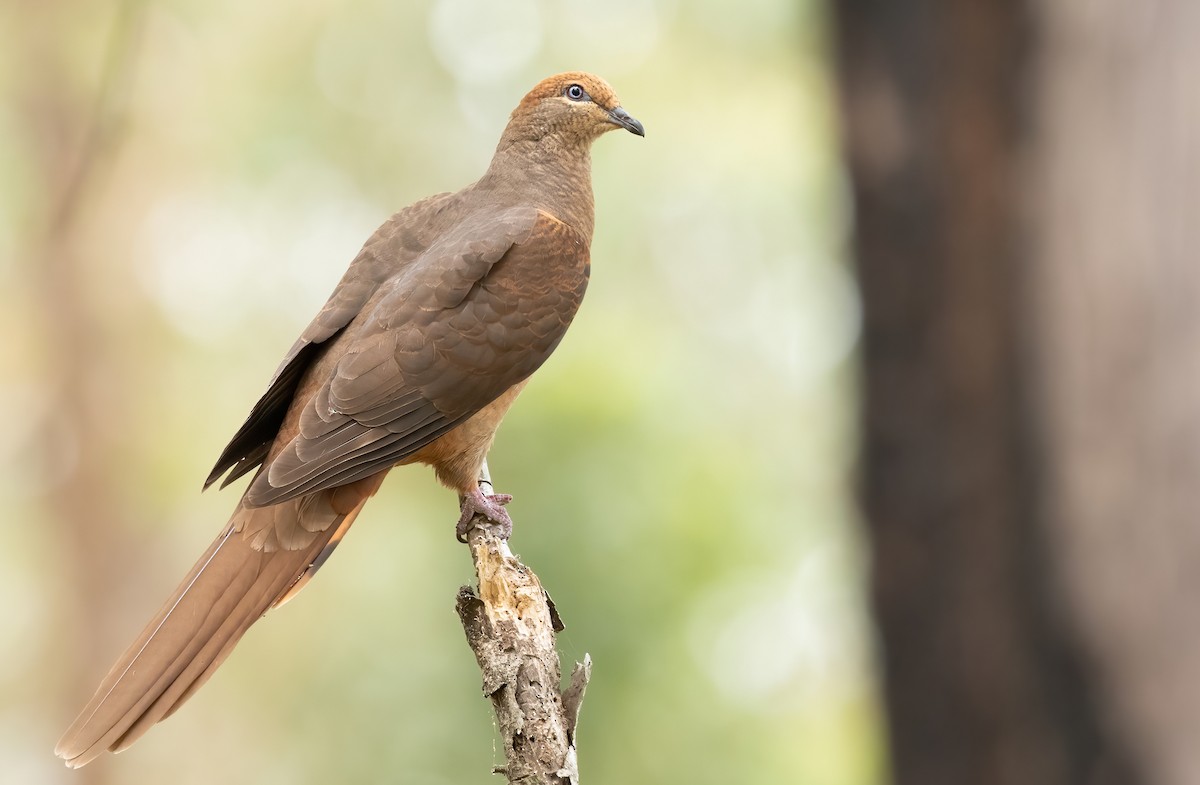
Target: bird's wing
(478, 312)
(401, 240)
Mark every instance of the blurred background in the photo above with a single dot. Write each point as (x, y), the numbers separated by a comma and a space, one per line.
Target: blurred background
(870, 458)
(182, 183)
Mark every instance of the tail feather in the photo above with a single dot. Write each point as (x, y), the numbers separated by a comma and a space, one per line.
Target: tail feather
(230, 587)
(298, 583)
(252, 593)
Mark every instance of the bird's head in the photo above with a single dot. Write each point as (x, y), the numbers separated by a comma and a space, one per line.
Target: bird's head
(574, 106)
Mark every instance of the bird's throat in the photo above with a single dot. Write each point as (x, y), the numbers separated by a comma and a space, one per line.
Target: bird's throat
(548, 174)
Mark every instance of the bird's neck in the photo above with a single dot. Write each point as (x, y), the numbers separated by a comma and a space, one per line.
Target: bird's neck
(548, 174)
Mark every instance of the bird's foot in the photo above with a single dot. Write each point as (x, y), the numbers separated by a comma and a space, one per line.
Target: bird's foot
(490, 506)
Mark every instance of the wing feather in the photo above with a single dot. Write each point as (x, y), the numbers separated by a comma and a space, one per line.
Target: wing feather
(478, 312)
(395, 245)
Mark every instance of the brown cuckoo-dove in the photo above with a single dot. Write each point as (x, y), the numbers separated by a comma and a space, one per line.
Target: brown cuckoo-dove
(415, 358)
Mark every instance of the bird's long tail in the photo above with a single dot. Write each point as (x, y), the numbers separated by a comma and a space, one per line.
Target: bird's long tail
(260, 560)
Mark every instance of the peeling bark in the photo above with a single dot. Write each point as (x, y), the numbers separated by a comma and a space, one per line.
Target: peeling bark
(511, 626)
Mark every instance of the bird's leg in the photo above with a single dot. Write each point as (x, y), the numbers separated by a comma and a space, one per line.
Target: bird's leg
(480, 500)
(490, 506)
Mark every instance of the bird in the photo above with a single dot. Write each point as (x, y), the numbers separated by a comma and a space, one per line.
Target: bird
(426, 341)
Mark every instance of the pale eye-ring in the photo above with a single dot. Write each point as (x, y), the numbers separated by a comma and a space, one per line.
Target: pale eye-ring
(576, 93)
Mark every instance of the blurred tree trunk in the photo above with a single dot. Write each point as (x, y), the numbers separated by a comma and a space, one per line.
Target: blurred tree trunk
(72, 128)
(1026, 178)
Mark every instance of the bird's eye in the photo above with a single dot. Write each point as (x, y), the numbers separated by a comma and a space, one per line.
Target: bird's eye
(576, 93)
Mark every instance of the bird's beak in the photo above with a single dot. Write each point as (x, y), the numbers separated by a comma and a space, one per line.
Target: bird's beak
(618, 116)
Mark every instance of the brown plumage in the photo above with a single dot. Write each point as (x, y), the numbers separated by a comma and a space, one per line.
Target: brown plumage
(415, 358)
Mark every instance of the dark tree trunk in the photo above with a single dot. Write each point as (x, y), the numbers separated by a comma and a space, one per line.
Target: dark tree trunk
(1026, 178)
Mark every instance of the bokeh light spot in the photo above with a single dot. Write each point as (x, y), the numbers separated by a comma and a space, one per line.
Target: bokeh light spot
(482, 40)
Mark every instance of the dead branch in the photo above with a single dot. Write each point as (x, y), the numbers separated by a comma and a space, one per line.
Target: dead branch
(511, 624)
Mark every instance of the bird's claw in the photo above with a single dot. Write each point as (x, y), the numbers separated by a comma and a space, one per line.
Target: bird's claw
(490, 506)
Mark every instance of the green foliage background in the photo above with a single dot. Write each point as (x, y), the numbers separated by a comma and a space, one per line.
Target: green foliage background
(682, 465)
